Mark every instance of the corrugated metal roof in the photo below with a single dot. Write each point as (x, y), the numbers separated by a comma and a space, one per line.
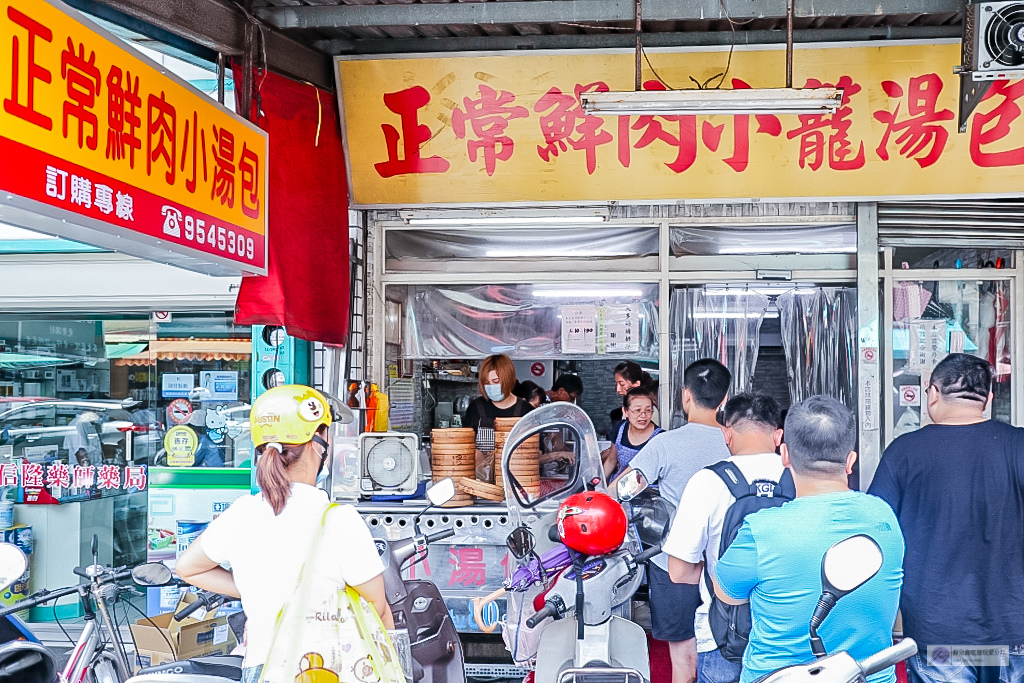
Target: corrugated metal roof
(336, 34)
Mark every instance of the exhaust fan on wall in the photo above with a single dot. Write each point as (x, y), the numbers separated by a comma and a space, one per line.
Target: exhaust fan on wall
(992, 49)
(388, 464)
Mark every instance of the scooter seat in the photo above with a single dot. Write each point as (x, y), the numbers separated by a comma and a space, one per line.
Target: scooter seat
(223, 667)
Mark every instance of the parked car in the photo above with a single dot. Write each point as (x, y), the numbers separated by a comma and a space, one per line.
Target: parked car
(75, 431)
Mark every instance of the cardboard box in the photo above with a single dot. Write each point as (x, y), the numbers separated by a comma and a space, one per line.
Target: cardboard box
(165, 640)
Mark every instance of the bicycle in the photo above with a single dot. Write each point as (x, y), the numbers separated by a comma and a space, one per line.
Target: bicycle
(99, 655)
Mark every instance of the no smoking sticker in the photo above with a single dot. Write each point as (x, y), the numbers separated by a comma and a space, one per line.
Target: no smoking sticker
(179, 411)
(537, 369)
(910, 395)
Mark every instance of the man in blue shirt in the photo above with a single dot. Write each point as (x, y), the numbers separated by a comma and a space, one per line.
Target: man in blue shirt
(957, 488)
(775, 561)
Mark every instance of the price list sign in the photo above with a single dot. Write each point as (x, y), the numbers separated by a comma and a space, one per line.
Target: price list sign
(579, 329)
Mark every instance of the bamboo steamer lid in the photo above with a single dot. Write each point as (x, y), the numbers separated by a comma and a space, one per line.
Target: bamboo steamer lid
(444, 471)
(481, 489)
(504, 424)
(453, 446)
(453, 435)
(443, 458)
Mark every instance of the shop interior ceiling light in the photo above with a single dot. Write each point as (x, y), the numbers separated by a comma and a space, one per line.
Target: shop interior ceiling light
(788, 249)
(554, 292)
(505, 217)
(552, 253)
(694, 102)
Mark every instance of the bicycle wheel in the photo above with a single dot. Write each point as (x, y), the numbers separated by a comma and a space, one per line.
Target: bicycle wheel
(103, 669)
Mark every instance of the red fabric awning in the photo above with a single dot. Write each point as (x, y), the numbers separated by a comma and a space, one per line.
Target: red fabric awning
(307, 284)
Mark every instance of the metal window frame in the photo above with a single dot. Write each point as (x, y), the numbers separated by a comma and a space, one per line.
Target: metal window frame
(670, 272)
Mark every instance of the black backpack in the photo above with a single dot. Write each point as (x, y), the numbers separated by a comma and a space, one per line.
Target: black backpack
(730, 624)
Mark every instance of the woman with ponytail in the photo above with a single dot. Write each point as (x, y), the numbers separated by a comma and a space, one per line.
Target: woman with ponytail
(266, 538)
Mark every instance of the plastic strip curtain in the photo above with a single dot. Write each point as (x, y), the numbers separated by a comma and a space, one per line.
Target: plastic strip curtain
(819, 335)
(724, 324)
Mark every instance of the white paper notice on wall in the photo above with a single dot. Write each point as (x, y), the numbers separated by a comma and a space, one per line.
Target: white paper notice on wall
(927, 344)
(621, 328)
(579, 329)
(868, 389)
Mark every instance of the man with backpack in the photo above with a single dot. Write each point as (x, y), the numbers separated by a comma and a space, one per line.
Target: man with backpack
(710, 512)
(775, 560)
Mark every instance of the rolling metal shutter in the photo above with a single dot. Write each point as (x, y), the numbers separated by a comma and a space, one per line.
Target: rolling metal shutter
(975, 223)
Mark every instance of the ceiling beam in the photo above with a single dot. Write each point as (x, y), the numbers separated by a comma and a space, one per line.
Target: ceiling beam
(620, 40)
(560, 11)
(219, 25)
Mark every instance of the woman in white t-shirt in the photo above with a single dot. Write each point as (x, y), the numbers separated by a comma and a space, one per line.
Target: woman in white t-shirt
(266, 538)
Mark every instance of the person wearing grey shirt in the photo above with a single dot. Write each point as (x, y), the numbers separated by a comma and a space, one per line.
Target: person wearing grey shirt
(670, 459)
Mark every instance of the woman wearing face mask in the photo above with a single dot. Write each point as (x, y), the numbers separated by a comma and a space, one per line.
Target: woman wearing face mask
(497, 379)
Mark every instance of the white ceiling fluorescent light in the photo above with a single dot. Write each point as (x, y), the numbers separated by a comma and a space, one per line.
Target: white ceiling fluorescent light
(505, 217)
(566, 252)
(704, 102)
(602, 292)
(784, 249)
(729, 315)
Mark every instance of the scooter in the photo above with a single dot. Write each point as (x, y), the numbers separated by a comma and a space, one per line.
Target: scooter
(417, 606)
(593, 643)
(424, 636)
(597, 640)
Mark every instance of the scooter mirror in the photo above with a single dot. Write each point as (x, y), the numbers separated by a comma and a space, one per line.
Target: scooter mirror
(630, 485)
(652, 520)
(152, 574)
(441, 492)
(849, 564)
(13, 564)
(520, 542)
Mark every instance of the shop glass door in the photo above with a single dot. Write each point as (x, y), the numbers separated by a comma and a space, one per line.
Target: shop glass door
(933, 313)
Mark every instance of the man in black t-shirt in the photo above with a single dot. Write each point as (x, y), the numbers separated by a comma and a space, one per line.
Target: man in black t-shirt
(957, 488)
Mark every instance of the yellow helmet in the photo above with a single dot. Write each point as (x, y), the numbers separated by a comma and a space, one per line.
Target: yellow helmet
(289, 414)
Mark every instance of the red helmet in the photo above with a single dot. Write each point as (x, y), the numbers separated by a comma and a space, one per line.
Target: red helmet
(591, 523)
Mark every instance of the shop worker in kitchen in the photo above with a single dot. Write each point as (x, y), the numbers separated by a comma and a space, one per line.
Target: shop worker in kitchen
(497, 379)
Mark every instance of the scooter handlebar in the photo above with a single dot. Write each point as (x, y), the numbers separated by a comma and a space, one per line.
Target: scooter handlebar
(440, 535)
(647, 554)
(889, 656)
(549, 609)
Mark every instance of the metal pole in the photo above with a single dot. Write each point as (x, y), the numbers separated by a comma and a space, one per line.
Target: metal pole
(248, 64)
(221, 76)
(789, 43)
(638, 19)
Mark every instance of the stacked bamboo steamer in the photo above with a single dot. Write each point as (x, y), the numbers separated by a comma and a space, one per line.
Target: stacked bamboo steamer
(525, 461)
(453, 454)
